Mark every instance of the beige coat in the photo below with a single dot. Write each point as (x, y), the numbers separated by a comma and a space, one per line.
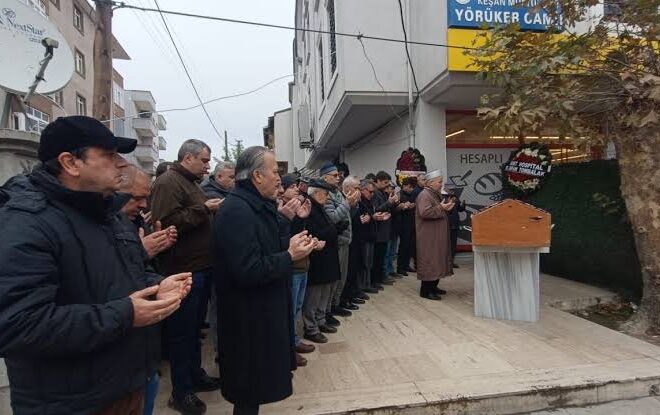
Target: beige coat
(432, 233)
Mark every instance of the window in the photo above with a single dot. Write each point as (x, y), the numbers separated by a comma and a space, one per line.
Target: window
(118, 127)
(18, 120)
(333, 37)
(58, 97)
(80, 63)
(56, 3)
(321, 72)
(117, 95)
(36, 120)
(81, 105)
(78, 21)
(40, 6)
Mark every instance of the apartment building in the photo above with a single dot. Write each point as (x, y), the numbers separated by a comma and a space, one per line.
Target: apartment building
(360, 101)
(76, 20)
(356, 100)
(143, 123)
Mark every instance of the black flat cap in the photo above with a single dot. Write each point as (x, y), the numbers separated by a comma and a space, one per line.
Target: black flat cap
(320, 184)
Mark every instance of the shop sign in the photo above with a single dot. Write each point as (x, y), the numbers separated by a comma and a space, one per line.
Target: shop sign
(478, 14)
(475, 176)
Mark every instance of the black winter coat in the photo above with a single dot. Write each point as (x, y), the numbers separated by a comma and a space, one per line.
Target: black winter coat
(366, 232)
(355, 258)
(324, 264)
(406, 218)
(454, 214)
(381, 203)
(252, 271)
(68, 267)
(213, 190)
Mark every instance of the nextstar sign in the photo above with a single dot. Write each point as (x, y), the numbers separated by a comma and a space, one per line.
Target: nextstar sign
(479, 13)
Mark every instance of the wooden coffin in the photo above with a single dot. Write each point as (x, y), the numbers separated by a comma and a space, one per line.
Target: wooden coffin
(512, 224)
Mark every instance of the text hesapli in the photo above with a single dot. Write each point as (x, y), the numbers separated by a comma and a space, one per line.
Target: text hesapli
(477, 158)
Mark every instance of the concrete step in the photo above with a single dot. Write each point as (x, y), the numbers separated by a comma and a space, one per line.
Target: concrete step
(644, 406)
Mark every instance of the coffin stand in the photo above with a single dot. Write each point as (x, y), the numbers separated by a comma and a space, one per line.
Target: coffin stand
(507, 240)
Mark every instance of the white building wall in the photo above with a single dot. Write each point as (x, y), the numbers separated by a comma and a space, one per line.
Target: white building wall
(427, 22)
(376, 18)
(354, 73)
(379, 151)
(300, 156)
(430, 135)
(284, 137)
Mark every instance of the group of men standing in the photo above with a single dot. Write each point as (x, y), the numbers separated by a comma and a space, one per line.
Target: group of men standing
(100, 265)
(360, 224)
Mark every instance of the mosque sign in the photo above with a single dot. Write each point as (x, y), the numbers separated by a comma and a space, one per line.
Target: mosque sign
(477, 14)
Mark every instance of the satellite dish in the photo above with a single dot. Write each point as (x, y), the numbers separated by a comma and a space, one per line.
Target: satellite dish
(22, 30)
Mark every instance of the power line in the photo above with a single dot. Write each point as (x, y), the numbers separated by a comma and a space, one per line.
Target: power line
(191, 63)
(373, 69)
(240, 94)
(185, 68)
(122, 5)
(152, 31)
(412, 69)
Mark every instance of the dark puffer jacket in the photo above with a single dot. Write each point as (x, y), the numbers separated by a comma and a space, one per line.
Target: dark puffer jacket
(213, 190)
(324, 264)
(68, 267)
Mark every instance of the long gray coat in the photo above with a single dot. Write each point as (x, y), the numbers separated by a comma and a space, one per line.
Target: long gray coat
(432, 236)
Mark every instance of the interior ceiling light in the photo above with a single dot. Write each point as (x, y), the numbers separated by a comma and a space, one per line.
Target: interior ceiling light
(455, 133)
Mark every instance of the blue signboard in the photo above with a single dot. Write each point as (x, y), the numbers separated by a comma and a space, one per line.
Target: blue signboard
(479, 13)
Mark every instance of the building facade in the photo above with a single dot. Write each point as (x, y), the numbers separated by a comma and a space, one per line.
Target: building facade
(142, 122)
(363, 102)
(76, 20)
(366, 101)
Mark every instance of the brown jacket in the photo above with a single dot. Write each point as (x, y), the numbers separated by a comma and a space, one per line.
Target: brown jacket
(177, 199)
(432, 231)
(301, 265)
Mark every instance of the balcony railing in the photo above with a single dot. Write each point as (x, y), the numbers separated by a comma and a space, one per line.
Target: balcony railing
(146, 154)
(144, 101)
(145, 127)
(161, 123)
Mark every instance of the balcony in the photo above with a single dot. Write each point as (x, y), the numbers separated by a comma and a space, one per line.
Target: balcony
(146, 154)
(148, 168)
(162, 143)
(145, 127)
(143, 100)
(161, 123)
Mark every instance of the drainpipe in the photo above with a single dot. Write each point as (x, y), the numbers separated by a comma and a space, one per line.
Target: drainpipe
(411, 100)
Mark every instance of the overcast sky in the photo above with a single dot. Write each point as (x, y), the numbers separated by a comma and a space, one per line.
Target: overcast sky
(223, 58)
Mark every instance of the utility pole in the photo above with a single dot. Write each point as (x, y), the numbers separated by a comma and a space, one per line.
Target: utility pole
(102, 107)
(226, 156)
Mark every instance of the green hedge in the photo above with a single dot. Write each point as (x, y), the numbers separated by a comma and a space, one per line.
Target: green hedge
(592, 241)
